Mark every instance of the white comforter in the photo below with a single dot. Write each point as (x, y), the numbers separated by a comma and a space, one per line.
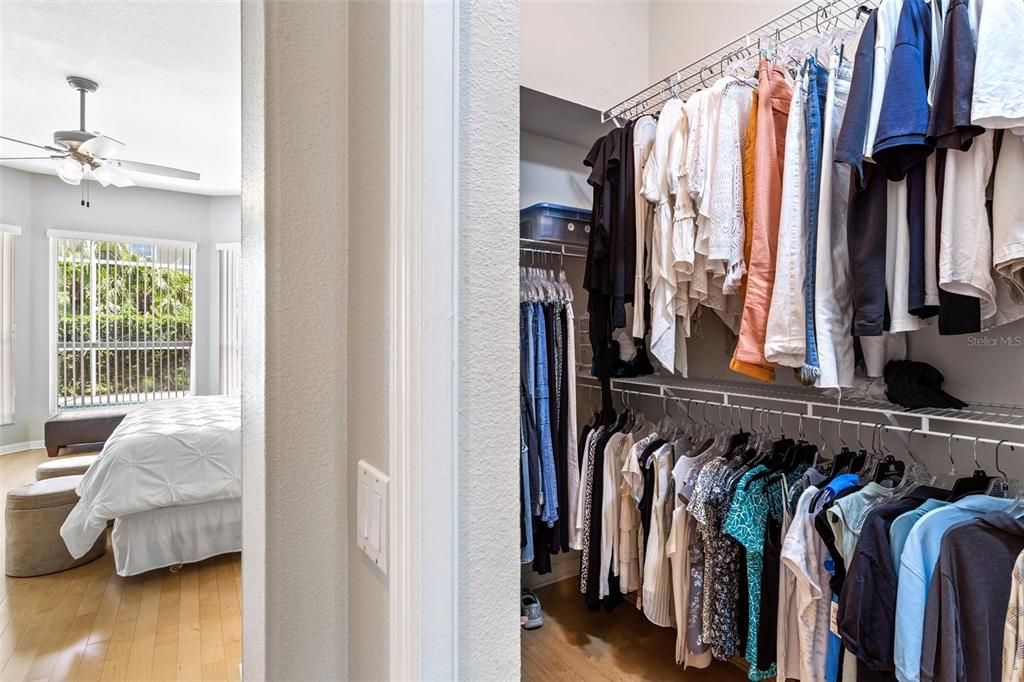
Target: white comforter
(164, 454)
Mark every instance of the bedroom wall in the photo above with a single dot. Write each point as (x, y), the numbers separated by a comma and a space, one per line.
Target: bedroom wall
(42, 202)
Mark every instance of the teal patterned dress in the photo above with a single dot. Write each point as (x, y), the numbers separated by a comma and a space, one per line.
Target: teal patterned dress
(747, 520)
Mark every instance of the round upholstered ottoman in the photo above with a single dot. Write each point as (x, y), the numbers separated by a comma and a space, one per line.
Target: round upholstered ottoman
(34, 514)
(65, 466)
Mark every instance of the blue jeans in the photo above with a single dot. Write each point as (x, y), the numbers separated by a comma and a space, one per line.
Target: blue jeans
(817, 90)
(542, 398)
(528, 372)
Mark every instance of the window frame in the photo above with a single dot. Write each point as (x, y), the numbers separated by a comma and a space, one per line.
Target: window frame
(229, 345)
(53, 237)
(15, 231)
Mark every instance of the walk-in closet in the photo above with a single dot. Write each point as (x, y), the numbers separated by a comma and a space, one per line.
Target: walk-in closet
(772, 341)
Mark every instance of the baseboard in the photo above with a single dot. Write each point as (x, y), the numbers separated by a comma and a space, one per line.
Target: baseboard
(21, 447)
(563, 566)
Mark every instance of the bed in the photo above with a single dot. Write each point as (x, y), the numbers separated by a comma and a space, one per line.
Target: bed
(170, 477)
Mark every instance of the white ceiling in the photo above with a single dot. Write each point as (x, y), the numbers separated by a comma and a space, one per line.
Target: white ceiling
(169, 75)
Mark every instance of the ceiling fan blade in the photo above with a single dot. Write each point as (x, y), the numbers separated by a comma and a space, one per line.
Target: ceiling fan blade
(101, 147)
(153, 169)
(23, 158)
(109, 174)
(37, 146)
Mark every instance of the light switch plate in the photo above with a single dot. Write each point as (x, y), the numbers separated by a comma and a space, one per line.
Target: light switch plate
(372, 514)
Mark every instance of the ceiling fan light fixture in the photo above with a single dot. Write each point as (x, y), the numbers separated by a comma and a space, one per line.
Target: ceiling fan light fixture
(70, 171)
(103, 175)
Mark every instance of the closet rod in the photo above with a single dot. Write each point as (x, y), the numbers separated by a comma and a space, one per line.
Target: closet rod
(551, 248)
(821, 418)
(810, 16)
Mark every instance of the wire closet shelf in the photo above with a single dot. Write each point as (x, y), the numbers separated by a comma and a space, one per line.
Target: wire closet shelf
(811, 16)
(810, 403)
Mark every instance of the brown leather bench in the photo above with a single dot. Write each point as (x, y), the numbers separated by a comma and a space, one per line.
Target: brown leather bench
(86, 426)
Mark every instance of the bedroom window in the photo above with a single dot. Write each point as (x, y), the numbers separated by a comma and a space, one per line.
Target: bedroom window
(8, 233)
(124, 320)
(230, 356)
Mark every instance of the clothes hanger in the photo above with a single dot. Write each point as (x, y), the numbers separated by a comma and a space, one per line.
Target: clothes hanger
(978, 482)
(1003, 486)
(889, 468)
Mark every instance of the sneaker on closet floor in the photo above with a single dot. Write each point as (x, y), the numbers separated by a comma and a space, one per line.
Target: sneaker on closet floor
(531, 618)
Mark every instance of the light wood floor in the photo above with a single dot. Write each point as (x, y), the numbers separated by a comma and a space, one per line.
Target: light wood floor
(577, 644)
(90, 624)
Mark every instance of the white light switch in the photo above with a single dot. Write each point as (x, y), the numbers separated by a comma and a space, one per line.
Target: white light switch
(372, 514)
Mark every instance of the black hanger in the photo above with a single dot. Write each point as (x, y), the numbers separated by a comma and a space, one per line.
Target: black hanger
(975, 483)
(889, 469)
(970, 485)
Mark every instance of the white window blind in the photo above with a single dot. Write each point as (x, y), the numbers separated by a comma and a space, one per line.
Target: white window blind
(230, 355)
(7, 329)
(124, 321)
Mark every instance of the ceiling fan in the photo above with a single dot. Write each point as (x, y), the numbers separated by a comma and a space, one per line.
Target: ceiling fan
(80, 154)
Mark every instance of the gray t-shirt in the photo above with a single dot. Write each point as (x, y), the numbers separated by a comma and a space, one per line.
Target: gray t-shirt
(967, 597)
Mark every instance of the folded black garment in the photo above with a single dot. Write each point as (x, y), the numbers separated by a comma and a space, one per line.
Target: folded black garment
(917, 384)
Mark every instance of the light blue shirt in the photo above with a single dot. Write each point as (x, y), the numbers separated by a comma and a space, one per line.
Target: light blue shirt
(900, 528)
(917, 563)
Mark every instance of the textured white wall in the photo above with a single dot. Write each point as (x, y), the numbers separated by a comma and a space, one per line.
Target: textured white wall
(683, 31)
(254, 348)
(367, 334)
(585, 51)
(488, 342)
(38, 203)
(296, 571)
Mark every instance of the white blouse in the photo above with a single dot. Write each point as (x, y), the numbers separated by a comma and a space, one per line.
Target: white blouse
(657, 587)
(644, 131)
(659, 178)
(726, 227)
(615, 453)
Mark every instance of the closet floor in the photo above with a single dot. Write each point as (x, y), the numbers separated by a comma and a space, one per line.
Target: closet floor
(576, 644)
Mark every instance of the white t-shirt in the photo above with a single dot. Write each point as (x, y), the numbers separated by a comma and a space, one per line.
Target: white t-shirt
(803, 553)
(965, 244)
(1008, 214)
(998, 100)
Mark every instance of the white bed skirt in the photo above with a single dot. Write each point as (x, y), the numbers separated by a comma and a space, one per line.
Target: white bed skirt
(176, 535)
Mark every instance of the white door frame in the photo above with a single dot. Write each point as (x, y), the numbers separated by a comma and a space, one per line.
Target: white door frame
(423, 410)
